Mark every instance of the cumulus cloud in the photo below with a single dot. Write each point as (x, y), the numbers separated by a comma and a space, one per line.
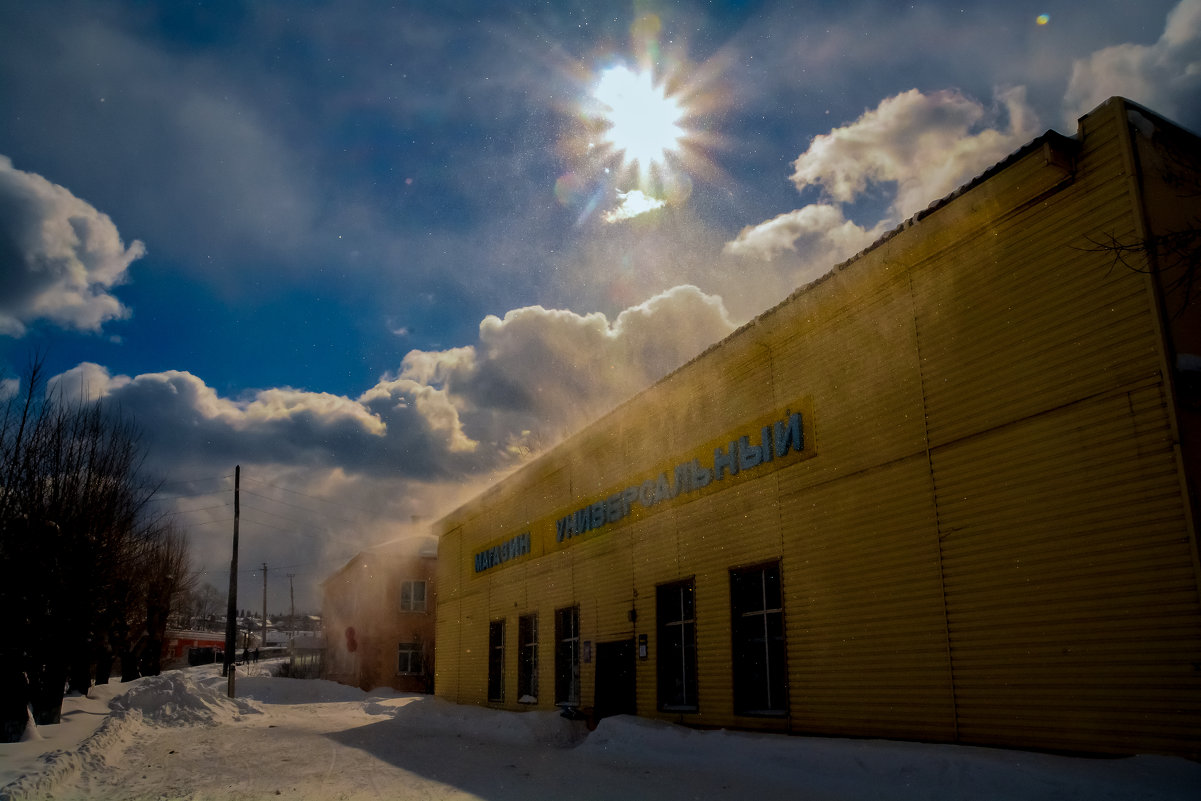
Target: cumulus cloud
(87, 381)
(1165, 76)
(918, 146)
(924, 144)
(59, 257)
(402, 399)
(818, 232)
(184, 419)
(533, 376)
(538, 373)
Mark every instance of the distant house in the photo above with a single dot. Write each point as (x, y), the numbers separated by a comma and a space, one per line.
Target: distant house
(379, 618)
(177, 643)
(306, 655)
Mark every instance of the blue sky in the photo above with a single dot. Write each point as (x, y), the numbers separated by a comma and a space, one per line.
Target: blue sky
(381, 253)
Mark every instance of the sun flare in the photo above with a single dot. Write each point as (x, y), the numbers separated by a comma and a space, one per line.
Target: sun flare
(644, 123)
(642, 128)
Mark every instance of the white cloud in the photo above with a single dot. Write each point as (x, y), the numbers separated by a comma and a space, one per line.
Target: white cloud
(538, 373)
(271, 405)
(826, 236)
(532, 377)
(86, 381)
(405, 396)
(183, 418)
(1165, 76)
(925, 144)
(918, 146)
(59, 257)
(633, 203)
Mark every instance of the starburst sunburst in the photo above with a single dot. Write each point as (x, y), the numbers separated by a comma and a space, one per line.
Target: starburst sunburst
(643, 128)
(643, 122)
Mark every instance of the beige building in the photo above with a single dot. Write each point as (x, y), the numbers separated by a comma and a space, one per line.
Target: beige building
(378, 613)
(944, 493)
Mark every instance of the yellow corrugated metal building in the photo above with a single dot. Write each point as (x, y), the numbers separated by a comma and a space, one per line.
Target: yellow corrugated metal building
(942, 493)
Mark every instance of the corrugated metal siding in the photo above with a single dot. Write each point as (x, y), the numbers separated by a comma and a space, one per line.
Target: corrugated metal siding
(864, 605)
(859, 368)
(1024, 319)
(473, 650)
(1065, 546)
(1071, 602)
(603, 576)
(448, 666)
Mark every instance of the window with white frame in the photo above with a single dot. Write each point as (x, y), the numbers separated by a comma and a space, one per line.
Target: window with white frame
(567, 656)
(760, 672)
(408, 659)
(676, 618)
(412, 596)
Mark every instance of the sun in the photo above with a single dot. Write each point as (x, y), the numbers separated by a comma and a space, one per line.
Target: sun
(642, 127)
(641, 120)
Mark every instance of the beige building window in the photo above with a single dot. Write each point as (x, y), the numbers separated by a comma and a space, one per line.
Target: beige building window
(412, 596)
(408, 662)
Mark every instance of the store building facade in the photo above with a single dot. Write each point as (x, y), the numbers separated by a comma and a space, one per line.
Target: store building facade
(941, 494)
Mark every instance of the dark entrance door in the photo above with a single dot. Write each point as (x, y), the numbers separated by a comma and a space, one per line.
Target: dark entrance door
(615, 663)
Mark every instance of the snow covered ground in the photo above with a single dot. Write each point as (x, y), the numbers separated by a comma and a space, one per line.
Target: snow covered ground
(177, 736)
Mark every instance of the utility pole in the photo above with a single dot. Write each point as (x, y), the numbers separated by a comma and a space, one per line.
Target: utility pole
(292, 595)
(231, 610)
(263, 644)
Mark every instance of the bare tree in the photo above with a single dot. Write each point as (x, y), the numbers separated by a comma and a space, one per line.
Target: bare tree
(83, 568)
(198, 605)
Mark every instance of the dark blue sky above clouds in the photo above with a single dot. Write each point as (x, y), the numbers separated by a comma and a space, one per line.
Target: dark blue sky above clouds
(380, 253)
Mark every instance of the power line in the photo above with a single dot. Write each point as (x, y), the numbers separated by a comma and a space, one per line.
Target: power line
(161, 497)
(194, 480)
(294, 492)
(261, 524)
(211, 522)
(297, 506)
(308, 524)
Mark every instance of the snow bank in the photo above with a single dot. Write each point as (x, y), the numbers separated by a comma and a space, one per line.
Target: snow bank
(177, 698)
(97, 727)
(60, 767)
